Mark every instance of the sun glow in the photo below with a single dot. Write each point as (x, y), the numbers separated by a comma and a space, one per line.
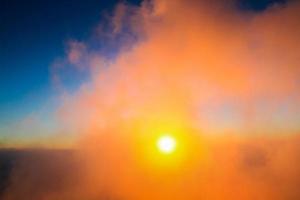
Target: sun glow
(166, 144)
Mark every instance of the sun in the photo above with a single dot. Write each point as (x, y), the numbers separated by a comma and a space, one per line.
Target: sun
(166, 144)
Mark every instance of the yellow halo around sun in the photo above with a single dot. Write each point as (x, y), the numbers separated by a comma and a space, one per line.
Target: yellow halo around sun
(166, 144)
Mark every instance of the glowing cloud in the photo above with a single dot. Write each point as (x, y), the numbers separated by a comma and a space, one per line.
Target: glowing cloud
(216, 78)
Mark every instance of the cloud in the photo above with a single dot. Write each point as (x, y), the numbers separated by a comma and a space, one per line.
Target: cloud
(220, 58)
(76, 52)
(214, 75)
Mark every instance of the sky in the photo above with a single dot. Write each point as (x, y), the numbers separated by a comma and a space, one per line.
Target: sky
(33, 35)
(37, 35)
(219, 78)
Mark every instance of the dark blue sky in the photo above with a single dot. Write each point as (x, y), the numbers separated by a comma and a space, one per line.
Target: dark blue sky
(257, 5)
(32, 36)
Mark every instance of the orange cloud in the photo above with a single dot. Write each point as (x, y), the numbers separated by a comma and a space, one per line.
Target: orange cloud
(196, 69)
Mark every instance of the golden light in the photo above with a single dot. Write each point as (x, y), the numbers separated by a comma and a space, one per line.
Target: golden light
(166, 144)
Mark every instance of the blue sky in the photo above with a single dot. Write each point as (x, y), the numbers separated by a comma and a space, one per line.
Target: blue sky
(33, 34)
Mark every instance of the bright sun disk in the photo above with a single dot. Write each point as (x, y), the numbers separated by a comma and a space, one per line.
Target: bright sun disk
(166, 144)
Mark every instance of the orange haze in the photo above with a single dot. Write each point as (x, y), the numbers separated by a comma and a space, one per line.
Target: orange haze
(224, 82)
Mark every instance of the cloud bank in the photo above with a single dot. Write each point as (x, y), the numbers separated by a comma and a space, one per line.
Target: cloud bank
(224, 80)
